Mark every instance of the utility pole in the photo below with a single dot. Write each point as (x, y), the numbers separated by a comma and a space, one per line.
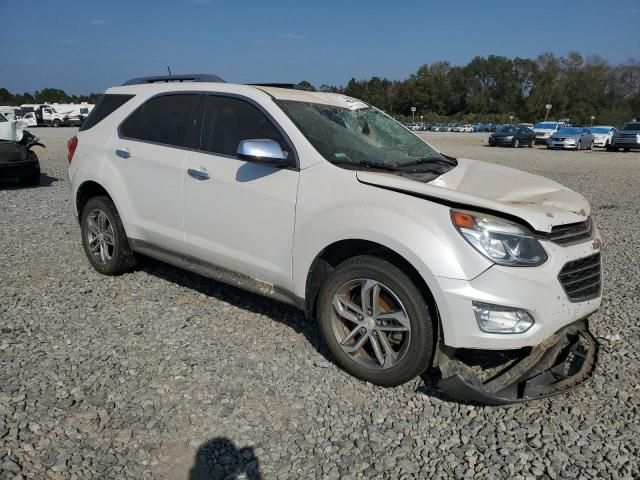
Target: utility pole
(548, 107)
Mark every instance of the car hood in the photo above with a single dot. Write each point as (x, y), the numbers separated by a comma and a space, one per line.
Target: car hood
(540, 202)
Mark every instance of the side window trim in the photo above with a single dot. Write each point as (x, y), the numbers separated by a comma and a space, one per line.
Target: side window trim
(197, 118)
(141, 107)
(292, 150)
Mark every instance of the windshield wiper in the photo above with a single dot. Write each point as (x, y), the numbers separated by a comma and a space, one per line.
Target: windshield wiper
(439, 160)
(366, 164)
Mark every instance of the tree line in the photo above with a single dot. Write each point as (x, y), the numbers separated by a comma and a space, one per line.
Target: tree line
(495, 88)
(492, 88)
(46, 95)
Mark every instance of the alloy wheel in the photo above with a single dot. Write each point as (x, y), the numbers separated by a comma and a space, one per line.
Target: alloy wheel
(100, 237)
(370, 323)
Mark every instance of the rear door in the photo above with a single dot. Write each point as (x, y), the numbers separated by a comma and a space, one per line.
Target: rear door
(149, 153)
(238, 214)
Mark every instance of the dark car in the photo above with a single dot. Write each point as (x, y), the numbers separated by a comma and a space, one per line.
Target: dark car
(512, 136)
(17, 160)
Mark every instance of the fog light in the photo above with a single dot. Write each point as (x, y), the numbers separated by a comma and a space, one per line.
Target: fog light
(499, 319)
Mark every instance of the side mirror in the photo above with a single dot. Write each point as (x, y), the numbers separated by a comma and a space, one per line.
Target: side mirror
(263, 151)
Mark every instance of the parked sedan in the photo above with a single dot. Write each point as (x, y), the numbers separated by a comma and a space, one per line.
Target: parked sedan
(510, 136)
(573, 138)
(602, 135)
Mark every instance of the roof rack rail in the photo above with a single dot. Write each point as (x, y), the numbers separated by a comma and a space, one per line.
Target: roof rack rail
(193, 77)
(291, 86)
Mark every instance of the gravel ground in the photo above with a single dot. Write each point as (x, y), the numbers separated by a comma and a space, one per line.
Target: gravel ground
(164, 374)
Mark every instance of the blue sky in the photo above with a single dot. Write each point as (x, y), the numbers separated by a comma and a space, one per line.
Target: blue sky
(86, 46)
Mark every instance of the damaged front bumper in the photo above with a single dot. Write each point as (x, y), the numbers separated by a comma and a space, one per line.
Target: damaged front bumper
(559, 363)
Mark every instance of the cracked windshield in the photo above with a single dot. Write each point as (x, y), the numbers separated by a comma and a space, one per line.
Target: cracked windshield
(360, 136)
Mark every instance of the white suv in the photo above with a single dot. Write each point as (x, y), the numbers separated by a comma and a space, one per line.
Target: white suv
(407, 258)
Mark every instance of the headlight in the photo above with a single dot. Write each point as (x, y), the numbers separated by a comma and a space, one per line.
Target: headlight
(502, 241)
(499, 319)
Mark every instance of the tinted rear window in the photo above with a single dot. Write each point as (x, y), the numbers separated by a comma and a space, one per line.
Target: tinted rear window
(106, 106)
(162, 120)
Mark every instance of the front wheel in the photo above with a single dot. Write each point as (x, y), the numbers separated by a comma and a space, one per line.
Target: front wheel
(532, 143)
(516, 143)
(104, 239)
(579, 146)
(376, 322)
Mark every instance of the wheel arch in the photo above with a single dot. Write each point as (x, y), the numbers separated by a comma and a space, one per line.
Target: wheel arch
(87, 190)
(341, 250)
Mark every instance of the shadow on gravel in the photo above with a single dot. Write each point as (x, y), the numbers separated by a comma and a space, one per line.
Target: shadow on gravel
(14, 183)
(277, 311)
(254, 303)
(219, 458)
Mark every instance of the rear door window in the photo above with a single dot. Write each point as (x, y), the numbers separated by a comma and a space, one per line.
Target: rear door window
(227, 121)
(164, 119)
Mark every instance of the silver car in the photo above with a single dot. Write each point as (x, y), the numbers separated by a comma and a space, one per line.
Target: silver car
(572, 138)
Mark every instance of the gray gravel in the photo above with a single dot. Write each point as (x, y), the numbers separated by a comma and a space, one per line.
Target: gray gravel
(164, 374)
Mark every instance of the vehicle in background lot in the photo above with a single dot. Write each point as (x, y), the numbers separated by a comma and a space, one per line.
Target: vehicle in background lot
(512, 136)
(57, 115)
(410, 258)
(16, 157)
(573, 138)
(466, 128)
(544, 130)
(479, 127)
(602, 135)
(527, 125)
(628, 138)
(29, 118)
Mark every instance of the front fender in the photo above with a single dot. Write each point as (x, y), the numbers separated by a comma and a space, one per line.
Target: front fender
(418, 230)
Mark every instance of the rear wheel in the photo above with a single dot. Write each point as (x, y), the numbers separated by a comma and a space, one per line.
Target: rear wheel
(376, 322)
(104, 239)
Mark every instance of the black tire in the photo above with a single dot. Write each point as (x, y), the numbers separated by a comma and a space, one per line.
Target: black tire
(591, 145)
(579, 146)
(122, 257)
(33, 179)
(532, 143)
(516, 143)
(611, 148)
(420, 346)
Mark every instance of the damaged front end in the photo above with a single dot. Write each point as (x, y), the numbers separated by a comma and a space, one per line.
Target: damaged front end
(559, 363)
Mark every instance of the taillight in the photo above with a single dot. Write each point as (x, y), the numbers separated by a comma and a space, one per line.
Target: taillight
(72, 144)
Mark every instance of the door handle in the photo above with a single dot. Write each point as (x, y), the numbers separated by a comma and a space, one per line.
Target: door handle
(123, 153)
(198, 174)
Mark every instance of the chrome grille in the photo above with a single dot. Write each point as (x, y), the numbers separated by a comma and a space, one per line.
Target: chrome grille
(574, 232)
(582, 279)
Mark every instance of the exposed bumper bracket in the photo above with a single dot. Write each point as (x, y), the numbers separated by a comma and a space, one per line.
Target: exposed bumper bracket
(556, 365)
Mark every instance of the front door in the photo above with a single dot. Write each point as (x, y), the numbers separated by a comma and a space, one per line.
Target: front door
(237, 214)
